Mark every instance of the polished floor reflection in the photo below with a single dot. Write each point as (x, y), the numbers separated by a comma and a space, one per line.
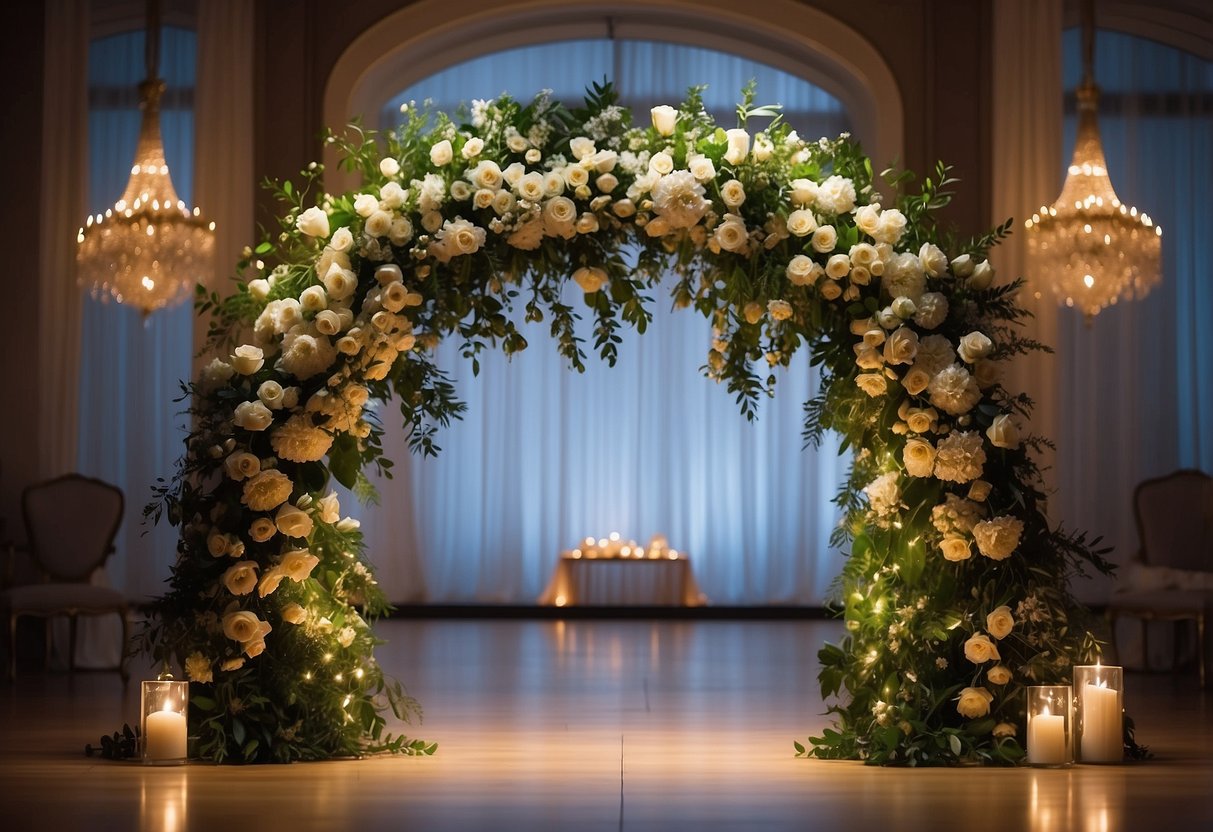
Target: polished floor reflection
(593, 725)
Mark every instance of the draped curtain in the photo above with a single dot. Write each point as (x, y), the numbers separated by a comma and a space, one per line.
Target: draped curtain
(546, 456)
(1136, 390)
(131, 427)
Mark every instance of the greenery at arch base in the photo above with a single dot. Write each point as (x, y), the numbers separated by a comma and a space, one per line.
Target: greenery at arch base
(955, 591)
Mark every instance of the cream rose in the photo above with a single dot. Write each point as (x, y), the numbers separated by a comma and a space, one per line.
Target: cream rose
(802, 223)
(824, 239)
(292, 613)
(702, 168)
(314, 223)
(916, 380)
(292, 522)
(901, 346)
(240, 578)
(829, 290)
(731, 235)
(1004, 729)
(665, 118)
(979, 491)
(974, 346)
(365, 205)
(934, 261)
(867, 218)
(262, 529)
(241, 465)
(232, 664)
(983, 275)
(216, 543)
(739, 146)
(919, 457)
(441, 153)
(733, 193)
(955, 549)
(247, 359)
(1000, 622)
(802, 271)
(920, 420)
(252, 416)
(874, 384)
(979, 649)
(974, 702)
(270, 393)
(298, 564)
(243, 626)
(590, 278)
(270, 581)
(1002, 433)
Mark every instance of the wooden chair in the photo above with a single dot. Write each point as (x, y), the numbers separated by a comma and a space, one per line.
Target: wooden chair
(70, 522)
(1175, 525)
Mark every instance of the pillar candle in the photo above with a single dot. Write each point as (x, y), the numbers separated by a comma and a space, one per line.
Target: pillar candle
(1102, 736)
(166, 736)
(1047, 739)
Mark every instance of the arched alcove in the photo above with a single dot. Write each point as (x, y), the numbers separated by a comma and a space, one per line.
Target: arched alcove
(423, 38)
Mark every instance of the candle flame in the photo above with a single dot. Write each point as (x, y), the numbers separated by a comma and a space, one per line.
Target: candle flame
(1045, 711)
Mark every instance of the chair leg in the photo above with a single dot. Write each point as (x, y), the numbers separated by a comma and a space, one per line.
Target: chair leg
(1200, 648)
(71, 644)
(12, 646)
(125, 639)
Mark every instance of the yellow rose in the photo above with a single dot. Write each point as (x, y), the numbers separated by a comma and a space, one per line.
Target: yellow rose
(956, 549)
(979, 649)
(919, 457)
(999, 674)
(1000, 622)
(240, 578)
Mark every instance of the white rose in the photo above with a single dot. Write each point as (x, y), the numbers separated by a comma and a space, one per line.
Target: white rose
(702, 169)
(983, 275)
(270, 393)
(298, 564)
(901, 346)
(313, 299)
(259, 288)
(252, 416)
(979, 490)
(582, 148)
(916, 380)
(1000, 622)
(874, 384)
(974, 346)
(244, 626)
(974, 702)
(904, 308)
(762, 148)
(240, 578)
(389, 167)
(314, 223)
(216, 543)
(838, 266)
(867, 218)
(890, 227)
(962, 266)
(824, 239)
(624, 208)
(247, 359)
(733, 194)
(241, 465)
(379, 223)
(1002, 433)
(292, 522)
(342, 239)
(472, 147)
(920, 420)
(829, 289)
(802, 271)
(934, 261)
(979, 649)
(739, 146)
(804, 192)
(262, 529)
(441, 153)
(801, 223)
(664, 118)
(919, 457)
(292, 613)
(327, 322)
(731, 235)
(365, 205)
(339, 283)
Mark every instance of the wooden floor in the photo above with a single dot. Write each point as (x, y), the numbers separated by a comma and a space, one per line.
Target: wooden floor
(593, 725)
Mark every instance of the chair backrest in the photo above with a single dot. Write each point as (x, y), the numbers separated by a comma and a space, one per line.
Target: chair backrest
(1175, 520)
(71, 522)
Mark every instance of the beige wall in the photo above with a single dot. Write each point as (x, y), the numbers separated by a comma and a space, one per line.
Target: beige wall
(938, 50)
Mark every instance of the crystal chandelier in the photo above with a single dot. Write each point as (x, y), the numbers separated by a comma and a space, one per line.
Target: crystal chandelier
(1092, 248)
(150, 249)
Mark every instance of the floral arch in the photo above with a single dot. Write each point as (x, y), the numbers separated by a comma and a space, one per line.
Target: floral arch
(955, 590)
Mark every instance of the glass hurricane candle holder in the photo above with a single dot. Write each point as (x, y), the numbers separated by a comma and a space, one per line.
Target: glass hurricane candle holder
(1050, 725)
(1099, 706)
(164, 709)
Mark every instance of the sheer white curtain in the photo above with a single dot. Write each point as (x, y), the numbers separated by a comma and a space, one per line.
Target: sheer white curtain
(131, 430)
(546, 456)
(1136, 387)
